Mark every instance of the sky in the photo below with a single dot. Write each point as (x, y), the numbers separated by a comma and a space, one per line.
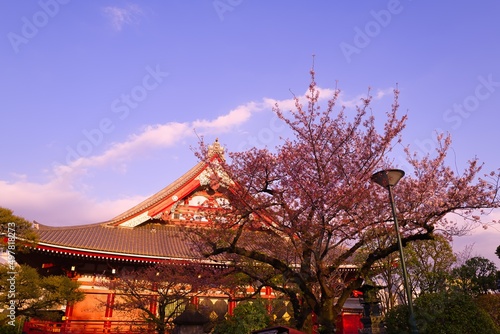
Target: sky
(102, 102)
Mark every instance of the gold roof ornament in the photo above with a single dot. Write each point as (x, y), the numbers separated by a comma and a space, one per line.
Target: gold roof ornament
(216, 148)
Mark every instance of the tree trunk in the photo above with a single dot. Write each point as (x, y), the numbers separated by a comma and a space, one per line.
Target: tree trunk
(327, 317)
(160, 324)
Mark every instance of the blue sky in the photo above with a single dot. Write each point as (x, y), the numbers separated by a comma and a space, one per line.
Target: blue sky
(100, 99)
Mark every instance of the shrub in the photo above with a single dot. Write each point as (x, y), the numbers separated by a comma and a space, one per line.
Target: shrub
(443, 313)
(491, 304)
(248, 316)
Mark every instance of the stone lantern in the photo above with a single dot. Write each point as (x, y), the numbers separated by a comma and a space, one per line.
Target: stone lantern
(372, 315)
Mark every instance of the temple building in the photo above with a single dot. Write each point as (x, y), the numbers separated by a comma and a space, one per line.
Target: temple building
(148, 233)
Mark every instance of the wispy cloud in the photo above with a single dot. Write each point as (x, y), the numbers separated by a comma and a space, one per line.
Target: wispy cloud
(357, 100)
(151, 137)
(162, 136)
(235, 117)
(63, 199)
(121, 16)
(58, 203)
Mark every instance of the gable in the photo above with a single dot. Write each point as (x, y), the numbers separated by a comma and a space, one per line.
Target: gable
(173, 202)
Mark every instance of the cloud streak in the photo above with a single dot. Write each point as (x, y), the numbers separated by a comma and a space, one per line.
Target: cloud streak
(122, 16)
(58, 204)
(62, 200)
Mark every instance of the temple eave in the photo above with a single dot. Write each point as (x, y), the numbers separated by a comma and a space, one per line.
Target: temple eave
(97, 255)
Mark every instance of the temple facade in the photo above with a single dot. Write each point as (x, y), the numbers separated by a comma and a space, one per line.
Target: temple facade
(148, 233)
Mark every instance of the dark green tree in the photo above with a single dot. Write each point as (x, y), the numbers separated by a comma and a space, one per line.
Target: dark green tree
(15, 230)
(31, 295)
(443, 313)
(491, 304)
(476, 276)
(429, 264)
(248, 316)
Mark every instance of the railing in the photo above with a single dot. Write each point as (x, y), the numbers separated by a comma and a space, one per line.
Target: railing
(87, 327)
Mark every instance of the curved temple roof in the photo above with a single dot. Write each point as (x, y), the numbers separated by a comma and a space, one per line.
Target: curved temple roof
(165, 197)
(151, 241)
(135, 233)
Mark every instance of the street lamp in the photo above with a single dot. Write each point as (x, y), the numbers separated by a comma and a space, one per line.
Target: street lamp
(389, 178)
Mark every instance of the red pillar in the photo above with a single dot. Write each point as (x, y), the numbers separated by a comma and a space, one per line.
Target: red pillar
(231, 306)
(268, 295)
(314, 319)
(67, 317)
(153, 304)
(109, 311)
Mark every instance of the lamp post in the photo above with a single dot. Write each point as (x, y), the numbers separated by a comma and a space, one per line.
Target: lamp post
(388, 179)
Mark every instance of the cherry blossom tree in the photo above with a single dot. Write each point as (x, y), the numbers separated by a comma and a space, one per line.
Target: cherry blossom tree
(157, 294)
(298, 214)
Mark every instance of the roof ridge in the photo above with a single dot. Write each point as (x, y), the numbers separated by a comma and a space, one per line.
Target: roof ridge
(158, 196)
(39, 226)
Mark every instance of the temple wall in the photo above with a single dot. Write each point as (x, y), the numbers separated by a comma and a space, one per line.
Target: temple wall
(95, 314)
